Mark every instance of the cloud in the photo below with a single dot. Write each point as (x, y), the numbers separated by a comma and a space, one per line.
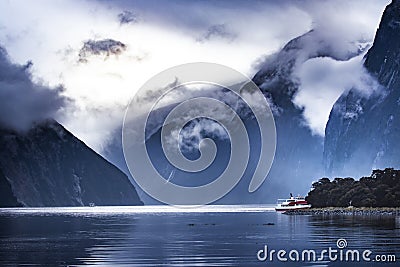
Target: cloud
(24, 102)
(344, 32)
(327, 60)
(217, 31)
(165, 102)
(127, 17)
(164, 36)
(157, 35)
(104, 48)
(344, 21)
(191, 135)
(322, 81)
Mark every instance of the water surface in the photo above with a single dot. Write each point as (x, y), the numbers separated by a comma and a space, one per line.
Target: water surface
(168, 236)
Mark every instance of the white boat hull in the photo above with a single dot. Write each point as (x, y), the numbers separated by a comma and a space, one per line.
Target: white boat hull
(296, 207)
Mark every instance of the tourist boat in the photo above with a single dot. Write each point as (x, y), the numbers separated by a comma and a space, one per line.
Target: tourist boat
(292, 203)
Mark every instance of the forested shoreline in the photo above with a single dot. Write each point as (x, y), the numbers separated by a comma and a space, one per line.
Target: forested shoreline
(381, 189)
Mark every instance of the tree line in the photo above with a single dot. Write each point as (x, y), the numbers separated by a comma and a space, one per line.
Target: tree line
(381, 189)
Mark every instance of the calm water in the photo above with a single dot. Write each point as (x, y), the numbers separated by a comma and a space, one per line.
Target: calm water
(208, 236)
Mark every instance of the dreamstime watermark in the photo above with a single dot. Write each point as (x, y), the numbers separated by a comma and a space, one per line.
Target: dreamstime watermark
(338, 253)
(167, 91)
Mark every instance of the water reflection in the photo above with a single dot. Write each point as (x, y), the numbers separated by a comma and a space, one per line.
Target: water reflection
(361, 232)
(48, 240)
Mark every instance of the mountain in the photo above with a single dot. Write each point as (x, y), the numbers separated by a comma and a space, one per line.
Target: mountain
(363, 130)
(301, 155)
(48, 166)
(299, 152)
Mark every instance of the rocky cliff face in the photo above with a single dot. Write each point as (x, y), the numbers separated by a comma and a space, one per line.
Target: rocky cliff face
(363, 130)
(48, 166)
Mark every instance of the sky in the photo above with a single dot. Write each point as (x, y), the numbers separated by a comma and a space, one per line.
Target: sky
(88, 91)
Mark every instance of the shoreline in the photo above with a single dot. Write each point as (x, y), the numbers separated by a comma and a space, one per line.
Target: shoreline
(384, 211)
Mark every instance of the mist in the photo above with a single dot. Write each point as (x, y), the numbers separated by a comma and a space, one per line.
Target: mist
(24, 102)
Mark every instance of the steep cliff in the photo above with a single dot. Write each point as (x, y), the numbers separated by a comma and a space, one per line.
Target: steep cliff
(363, 130)
(48, 166)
